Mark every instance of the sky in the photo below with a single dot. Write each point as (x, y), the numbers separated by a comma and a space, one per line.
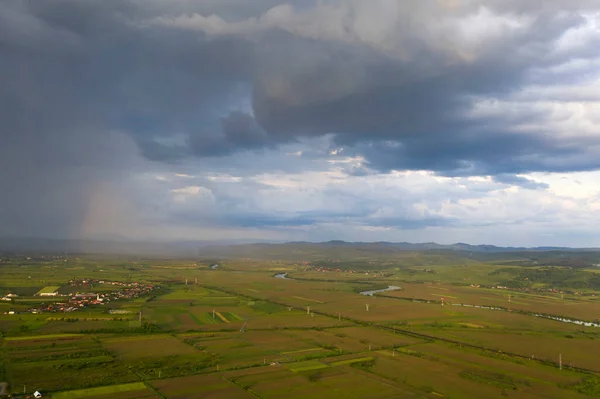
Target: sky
(471, 121)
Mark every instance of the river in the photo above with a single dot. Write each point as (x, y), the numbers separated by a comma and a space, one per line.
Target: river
(543, 316)
(394, 288)
(372, 292)
(565, 320)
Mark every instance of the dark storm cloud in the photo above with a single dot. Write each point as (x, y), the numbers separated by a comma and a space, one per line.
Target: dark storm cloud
(471, 153)
(239, 131)
(109, 61)
(72, 73)
(312, 79)
(87, 85)
(423, 115)
(93, 56)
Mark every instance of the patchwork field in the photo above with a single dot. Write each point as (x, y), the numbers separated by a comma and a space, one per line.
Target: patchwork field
(238, 332)
(132, 390)
(59, 362)
(200, 386)
(151, 346)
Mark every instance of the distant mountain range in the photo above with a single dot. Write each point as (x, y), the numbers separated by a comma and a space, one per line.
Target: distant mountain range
(459, 246)
(199, 248)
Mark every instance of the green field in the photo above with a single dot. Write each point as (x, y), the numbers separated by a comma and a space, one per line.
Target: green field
(352, 361)
(241, 333)
(307, 365)
(42, 337)
(48, 290)
(105, 390)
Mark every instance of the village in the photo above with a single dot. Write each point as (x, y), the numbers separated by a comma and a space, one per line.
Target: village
(76, 300)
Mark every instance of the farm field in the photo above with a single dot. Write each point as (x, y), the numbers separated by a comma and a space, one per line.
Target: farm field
(577, 307)
(61, 361)
(206, 386)
(134, 389)
(238, 332)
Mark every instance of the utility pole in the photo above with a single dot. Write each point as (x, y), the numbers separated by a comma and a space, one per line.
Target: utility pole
(339, 316)
(308, 310)
(560, 361)
(367, 306)
(186, 281)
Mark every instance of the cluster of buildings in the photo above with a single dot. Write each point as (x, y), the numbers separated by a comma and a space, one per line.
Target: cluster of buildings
(77, 300)
(123, 291)
(9, 297)
(531, 289)
(322, 269)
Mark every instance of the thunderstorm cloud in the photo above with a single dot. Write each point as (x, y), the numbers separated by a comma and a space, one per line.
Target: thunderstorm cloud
(429, 120)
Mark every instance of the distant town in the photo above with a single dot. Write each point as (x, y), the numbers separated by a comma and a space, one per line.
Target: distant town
(82, 295)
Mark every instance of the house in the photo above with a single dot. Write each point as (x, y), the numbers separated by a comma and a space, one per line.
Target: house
(86, 297)
(48, 291)
(8, 297)
(55, 293)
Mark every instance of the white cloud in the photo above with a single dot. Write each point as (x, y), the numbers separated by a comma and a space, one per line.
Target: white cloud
(577, 185)
(368, 208)
(184, 194)
(225, 178)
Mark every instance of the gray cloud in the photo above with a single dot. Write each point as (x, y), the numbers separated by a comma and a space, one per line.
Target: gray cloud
(359, 81)
(88, 87)
(520, 181)
(371, 81)
(239, 131)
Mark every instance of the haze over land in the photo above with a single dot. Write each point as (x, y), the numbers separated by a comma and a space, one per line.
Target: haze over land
(420, 121)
